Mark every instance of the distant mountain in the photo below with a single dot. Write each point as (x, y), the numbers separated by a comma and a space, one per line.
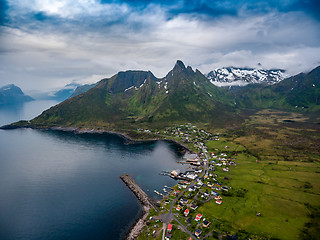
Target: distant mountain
(131, 98)
(82, 89)
(232, 76)
(11, 94)
(65, 92)
(301, 91)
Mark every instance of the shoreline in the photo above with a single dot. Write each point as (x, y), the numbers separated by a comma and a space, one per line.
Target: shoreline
(140, 222)
(78, 130)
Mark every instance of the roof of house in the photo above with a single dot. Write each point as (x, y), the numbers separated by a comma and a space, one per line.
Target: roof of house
(169, 227)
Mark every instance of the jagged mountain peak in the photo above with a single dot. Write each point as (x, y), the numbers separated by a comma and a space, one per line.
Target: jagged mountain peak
(179, 65)
(236, 76)
(178, 69)
(124, 81)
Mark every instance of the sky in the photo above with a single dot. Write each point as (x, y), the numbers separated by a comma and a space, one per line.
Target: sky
(46, 44)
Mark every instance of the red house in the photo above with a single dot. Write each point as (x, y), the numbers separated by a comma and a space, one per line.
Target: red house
(186, 212)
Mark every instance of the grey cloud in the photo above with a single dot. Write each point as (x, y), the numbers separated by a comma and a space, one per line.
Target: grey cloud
(46, 49)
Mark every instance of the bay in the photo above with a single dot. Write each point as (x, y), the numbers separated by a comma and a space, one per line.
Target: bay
(61, 185)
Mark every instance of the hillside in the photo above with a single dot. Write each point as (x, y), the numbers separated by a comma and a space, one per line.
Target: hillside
(134, 99)
(131, 98)
(300, 92)
(82, 89)
(11, 94)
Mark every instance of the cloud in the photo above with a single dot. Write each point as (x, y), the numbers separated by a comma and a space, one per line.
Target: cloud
(46, 44)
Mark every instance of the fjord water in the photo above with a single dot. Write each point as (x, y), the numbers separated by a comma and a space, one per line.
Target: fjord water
(60, 185)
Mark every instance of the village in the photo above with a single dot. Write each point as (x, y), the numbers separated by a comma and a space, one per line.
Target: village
(178, 215)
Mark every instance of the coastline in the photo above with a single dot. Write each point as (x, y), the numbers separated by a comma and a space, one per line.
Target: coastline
(140, 222)
(78, 130)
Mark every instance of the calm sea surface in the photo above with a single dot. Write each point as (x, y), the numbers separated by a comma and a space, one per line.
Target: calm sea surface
(57, 185)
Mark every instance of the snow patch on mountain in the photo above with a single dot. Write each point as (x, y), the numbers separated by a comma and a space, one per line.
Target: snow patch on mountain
(233, 76)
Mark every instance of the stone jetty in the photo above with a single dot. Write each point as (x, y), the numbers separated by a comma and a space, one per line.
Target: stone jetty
(140, 194)
(146, 205)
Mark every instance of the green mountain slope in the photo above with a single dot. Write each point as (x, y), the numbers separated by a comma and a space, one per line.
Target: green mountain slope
(137, 97)
(133, 99)
(301, 91)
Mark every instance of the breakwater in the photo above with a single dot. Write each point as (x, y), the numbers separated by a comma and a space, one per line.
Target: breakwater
(146, 205)
(140, 194)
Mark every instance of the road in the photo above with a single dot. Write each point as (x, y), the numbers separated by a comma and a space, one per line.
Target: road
(168, 217)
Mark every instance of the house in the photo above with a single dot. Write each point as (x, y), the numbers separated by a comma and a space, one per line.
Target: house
(206, 194)
(186, 212)
(169, 228)
(198, 217)
(225, 188)
(183, 201)
(188, 220)
(225, 169)
(191, 175)
(175, 193)
(216, 194)
(219, 202)
(179, 207)
(206, 223)
(198, 233)
(192, 189)
(193, 206)
(175, 173)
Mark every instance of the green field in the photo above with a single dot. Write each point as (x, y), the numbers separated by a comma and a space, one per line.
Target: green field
(282, 179)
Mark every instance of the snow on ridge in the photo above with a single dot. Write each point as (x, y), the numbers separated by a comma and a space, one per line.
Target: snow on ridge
(159, 83)
(232, 76)
(166, 85)
(238, 83)
(136, 88)
(127, 89)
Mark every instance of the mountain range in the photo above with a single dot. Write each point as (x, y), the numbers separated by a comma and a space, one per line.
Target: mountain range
(11, 94)
(233, 76)
(131, 99)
